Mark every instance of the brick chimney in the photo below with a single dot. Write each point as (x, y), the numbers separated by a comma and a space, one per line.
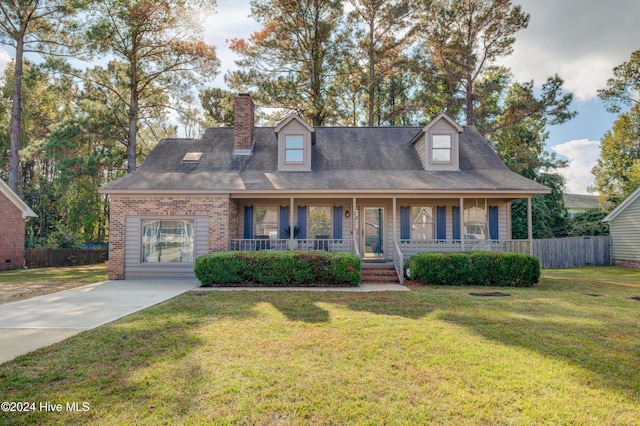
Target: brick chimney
(243, 124)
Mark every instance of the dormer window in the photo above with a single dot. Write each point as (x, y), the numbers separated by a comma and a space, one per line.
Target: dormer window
(294, 144)
(294, 149)
(441, 151)
(438, 144)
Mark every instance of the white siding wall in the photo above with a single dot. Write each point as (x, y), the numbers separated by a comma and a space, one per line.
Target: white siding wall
(625, 233)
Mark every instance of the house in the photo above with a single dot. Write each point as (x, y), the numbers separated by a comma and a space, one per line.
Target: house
(13, 218)
(578, 203)
(380, 192)
(624, 222)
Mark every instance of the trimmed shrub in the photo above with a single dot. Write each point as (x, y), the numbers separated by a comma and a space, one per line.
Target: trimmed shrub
(475, 268)
(278, 268)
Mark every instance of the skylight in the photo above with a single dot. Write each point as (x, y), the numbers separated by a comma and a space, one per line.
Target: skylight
(192, 157)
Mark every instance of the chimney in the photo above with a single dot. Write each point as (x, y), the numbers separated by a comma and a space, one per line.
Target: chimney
(243, 124)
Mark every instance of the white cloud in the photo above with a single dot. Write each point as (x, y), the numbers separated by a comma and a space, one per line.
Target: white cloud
(230, 21)
(4, 60)
(582, 155)
(580, 40)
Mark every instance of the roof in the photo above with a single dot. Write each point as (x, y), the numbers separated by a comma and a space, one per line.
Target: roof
(344, 159)
(17, 201)
(579, 201)
(622, 206)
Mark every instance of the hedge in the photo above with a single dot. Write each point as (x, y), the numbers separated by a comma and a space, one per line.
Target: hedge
(475, 268)
(278, 268)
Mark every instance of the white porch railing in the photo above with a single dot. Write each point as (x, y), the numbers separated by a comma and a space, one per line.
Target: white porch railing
(256, 244)
(398, 261)
(410, 247)
(406, 248)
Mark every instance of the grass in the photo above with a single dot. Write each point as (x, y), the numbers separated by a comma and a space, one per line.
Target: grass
(551, 354)
(86, 274)
(19, 284)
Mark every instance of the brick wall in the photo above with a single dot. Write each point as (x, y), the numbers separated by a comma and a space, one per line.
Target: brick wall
(215, 207)
(243, 122)
(627, 263)
(11, 235)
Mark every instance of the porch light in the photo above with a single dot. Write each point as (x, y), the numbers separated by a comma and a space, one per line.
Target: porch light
(347, 214)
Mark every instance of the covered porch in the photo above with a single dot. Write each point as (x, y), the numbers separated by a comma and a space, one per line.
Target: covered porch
(378, 226)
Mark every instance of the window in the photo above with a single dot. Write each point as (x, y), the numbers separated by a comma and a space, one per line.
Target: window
(294, 149)
(167, 241)
(319, 222)
(266, 222)
(475, 223)
(422, 223)
(441, 150)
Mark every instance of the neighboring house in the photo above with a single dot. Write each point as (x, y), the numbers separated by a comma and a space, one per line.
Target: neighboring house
(380, 192)
(624, 222)
(578, 203)
(13, 217)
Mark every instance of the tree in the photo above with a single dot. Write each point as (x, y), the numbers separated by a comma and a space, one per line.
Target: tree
(548, 212)
(520, 144)
(381, 29)
(218, 106)
(464, 40)
(29, 26)
(617, 170)
(293, 59)
(47, 100)
(588, 223)
(624, 87)
(159, 48)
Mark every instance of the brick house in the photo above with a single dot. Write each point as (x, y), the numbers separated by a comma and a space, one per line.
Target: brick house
(382, 193)
(13, 217)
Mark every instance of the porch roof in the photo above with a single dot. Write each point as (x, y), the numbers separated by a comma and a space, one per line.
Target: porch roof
(343, 159)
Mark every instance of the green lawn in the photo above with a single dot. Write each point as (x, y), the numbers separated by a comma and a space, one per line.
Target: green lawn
(84, 273)
(564, 352)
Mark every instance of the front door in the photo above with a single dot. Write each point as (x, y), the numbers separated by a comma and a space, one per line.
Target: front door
(372, 226)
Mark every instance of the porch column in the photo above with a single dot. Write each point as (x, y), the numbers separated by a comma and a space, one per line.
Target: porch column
(354, 237)
(530, 225)
(461, 224)
(291, 203)
(395, 232)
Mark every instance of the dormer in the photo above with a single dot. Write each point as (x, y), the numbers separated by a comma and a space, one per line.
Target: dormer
(295, 137)
(438, 144)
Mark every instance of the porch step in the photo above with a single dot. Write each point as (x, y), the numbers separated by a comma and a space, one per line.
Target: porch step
(379, 273)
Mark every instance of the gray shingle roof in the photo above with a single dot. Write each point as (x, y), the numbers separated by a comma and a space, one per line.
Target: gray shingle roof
(343, 158)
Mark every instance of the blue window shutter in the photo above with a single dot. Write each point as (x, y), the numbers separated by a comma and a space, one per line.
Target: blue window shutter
(248, 222)
(405, 223)
(493, 222)
(302, 222)
(337, 222)
(284, 222)
(456, 222)
(441, 222)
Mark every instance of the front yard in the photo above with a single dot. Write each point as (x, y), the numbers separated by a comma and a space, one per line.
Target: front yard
(563, 352)
(19, 284)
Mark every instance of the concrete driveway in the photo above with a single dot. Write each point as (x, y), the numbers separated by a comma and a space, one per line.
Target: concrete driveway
(41, 321)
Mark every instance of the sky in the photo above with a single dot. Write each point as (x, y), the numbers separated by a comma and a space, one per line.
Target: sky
(580, 40)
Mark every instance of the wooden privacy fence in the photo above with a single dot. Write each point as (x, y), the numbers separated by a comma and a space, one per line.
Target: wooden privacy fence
(39, 258)
(573, 252)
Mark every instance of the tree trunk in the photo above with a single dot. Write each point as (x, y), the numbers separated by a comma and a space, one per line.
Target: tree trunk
(372, 73)
(16, 118)
(132, 134)
(469, 110)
